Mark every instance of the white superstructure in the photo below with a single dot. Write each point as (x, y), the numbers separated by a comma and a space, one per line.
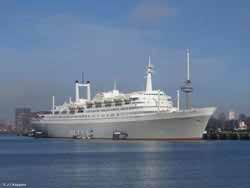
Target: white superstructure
(148, 114)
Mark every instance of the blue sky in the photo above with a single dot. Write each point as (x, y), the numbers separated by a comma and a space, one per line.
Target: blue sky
(45, 45)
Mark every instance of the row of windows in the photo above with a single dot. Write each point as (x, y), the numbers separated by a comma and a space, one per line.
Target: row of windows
(106, 115)
(113, 109)
(153, 94)
(81, 110)
(108, 104)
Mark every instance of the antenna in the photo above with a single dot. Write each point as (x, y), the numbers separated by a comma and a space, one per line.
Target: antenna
(188, 65)
(83, 77)
(178, 100)
(53, 105)
(114, 85)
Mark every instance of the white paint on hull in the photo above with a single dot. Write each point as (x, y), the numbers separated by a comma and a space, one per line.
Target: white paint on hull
(176, 125)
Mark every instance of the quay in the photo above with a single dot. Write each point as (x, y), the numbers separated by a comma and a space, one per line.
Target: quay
(227, 135)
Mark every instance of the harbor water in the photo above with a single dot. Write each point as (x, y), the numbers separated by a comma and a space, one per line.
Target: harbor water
(66, 163)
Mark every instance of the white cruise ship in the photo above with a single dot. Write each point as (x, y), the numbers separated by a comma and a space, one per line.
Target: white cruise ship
(148, 114)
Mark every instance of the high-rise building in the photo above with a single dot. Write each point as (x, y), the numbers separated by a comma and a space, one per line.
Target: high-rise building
(231, 115)
(22, 119)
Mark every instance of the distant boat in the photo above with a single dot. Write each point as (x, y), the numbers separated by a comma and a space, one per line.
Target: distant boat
(118, 135)
(39, 134)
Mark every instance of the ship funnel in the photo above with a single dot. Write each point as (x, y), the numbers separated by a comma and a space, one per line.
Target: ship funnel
(88, 90)
(77, 88)
(76, 91)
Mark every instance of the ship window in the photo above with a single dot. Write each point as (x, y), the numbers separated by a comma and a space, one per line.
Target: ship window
(134, 99)
(127, 102)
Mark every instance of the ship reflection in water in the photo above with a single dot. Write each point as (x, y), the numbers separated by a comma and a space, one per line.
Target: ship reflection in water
(105, 163)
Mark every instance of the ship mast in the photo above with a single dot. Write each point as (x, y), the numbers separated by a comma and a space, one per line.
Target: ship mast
(114, 88)
(53, 105)
(187, 89)
(149, 76)
(178, 100)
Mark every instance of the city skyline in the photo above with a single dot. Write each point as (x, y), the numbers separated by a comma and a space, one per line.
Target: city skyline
(46, 45)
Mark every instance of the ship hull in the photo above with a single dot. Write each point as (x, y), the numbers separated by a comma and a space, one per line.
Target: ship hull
(183, 125)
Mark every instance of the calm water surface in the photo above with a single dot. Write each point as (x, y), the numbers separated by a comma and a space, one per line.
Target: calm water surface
(51, 163)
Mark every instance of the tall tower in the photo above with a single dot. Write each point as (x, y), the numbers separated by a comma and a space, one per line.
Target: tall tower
(187, 89)
(231, 115)
(149, 76)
